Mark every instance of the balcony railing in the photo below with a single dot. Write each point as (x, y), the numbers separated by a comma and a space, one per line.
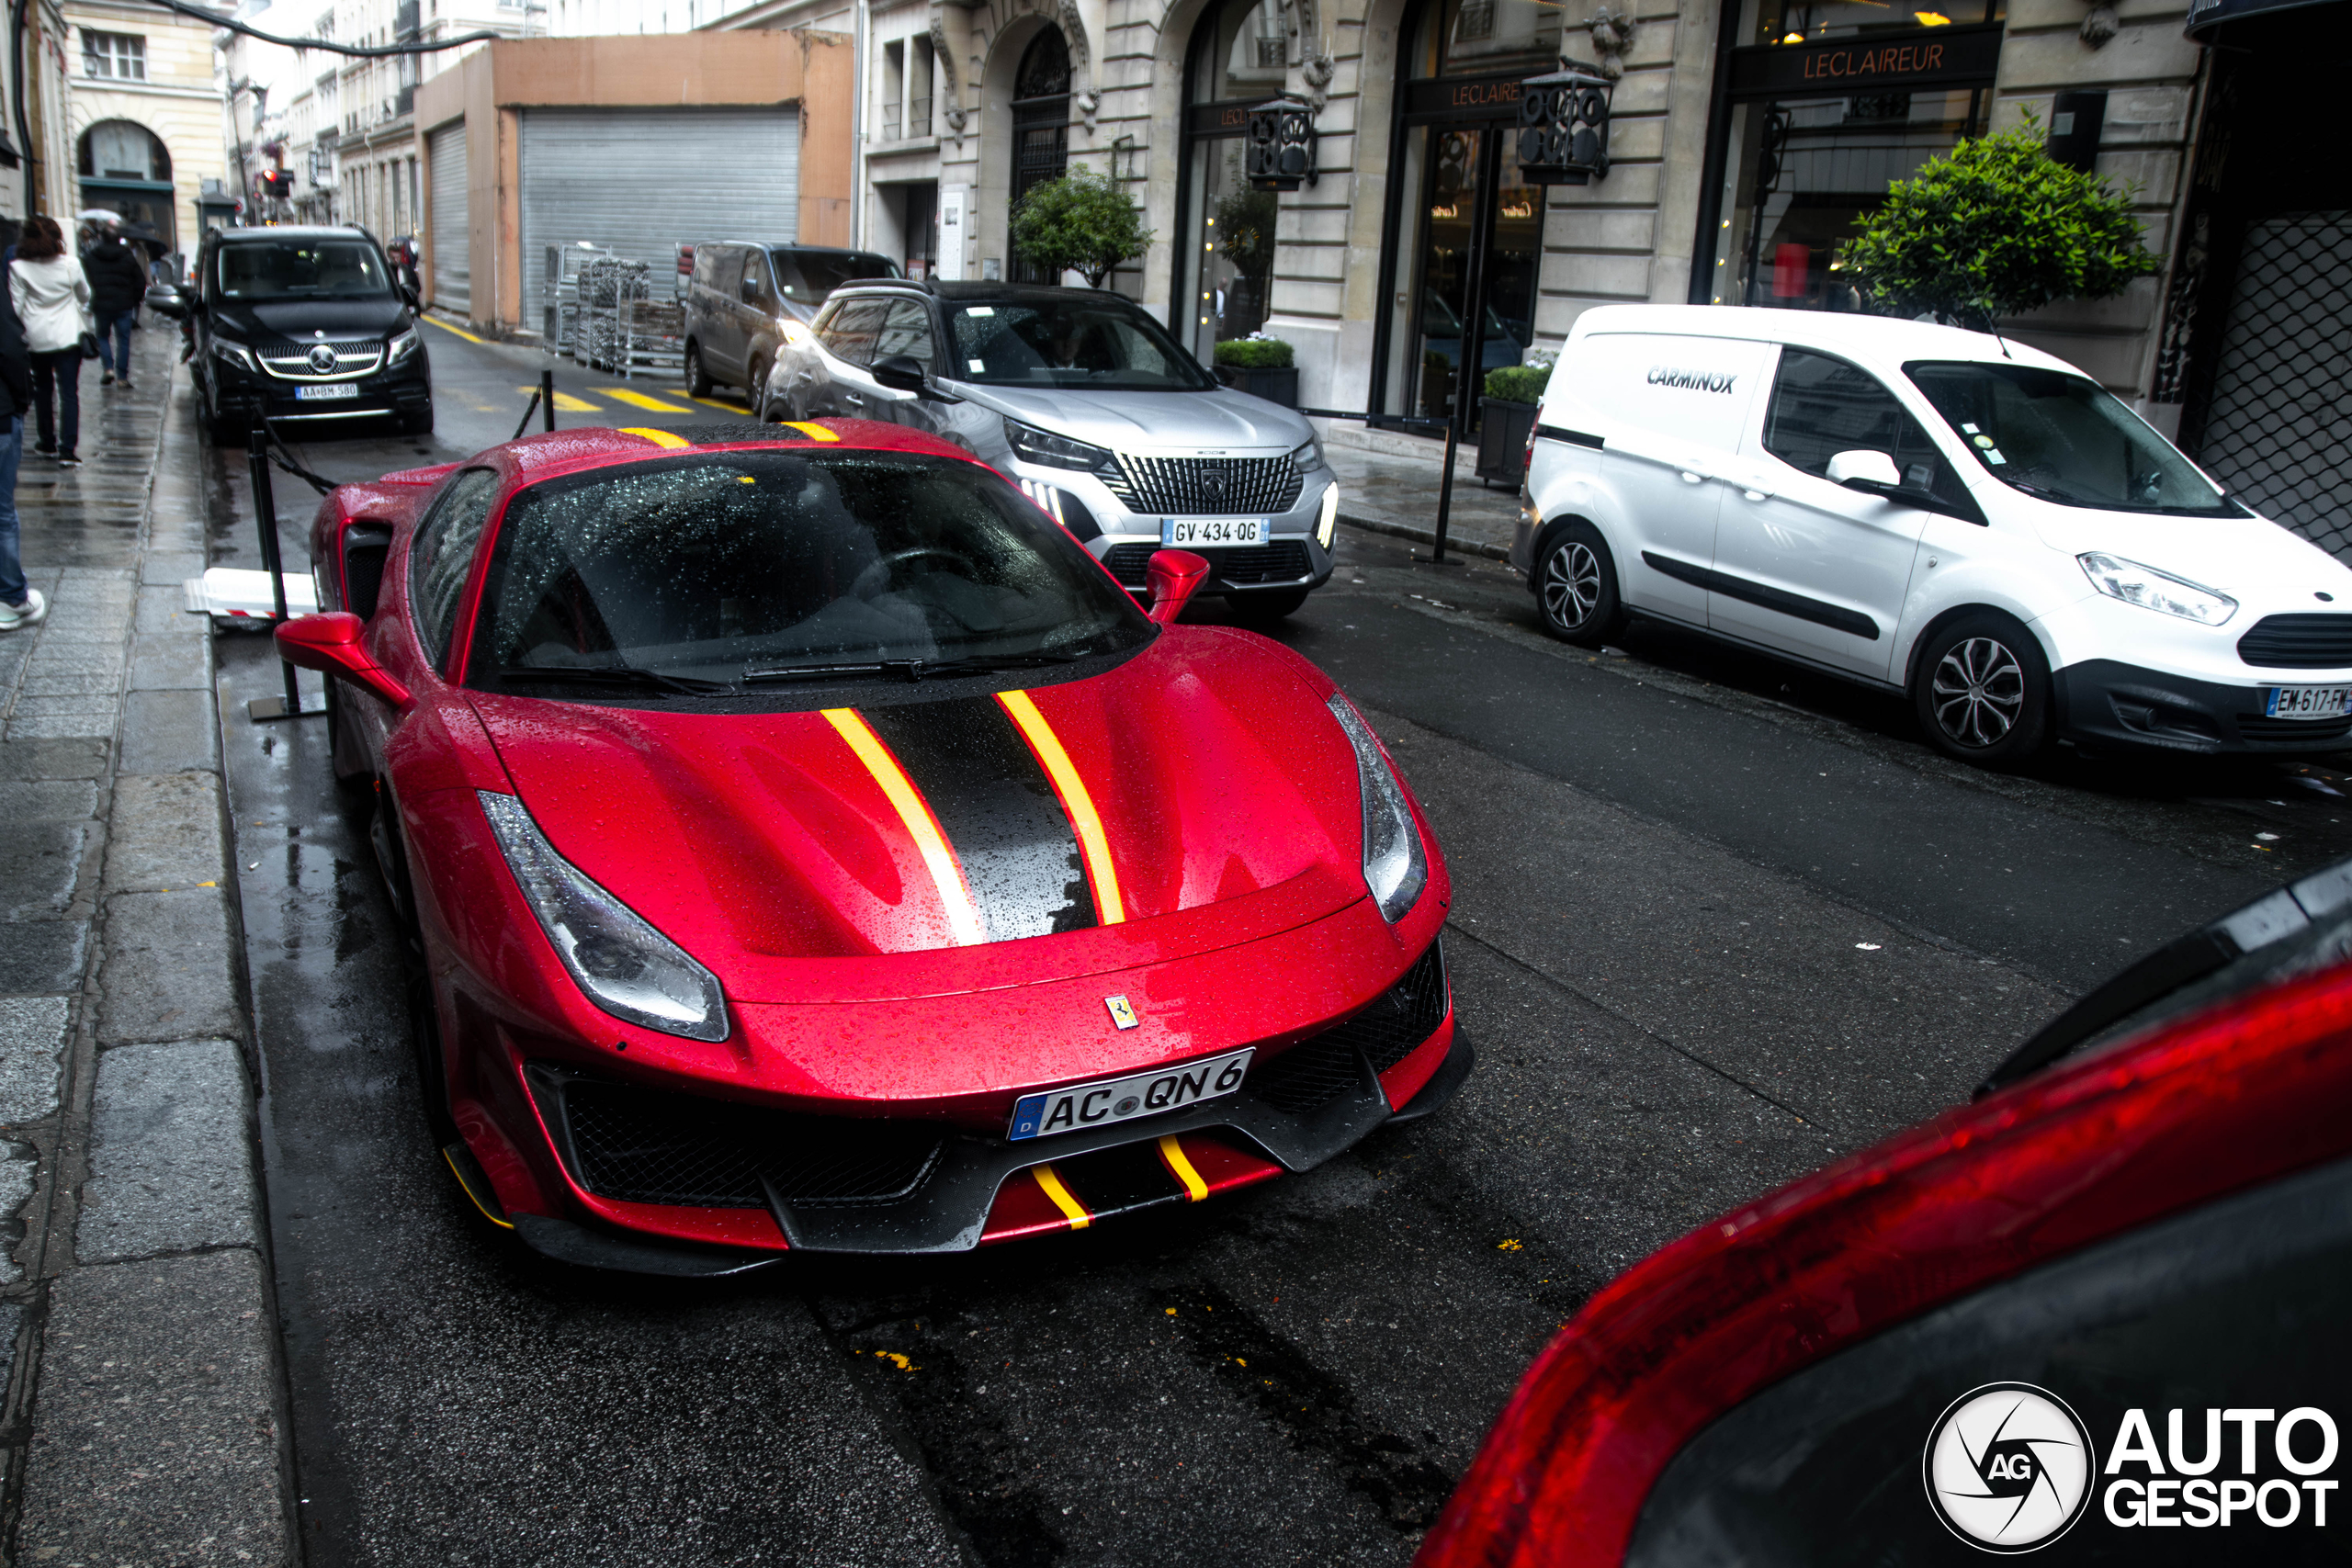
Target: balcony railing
(890, 131)
(918, 117)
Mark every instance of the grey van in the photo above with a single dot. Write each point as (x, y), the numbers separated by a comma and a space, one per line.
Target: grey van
(1091, 407)
(745, 296)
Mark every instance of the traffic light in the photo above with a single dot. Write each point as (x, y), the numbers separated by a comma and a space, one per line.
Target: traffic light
(276, 184)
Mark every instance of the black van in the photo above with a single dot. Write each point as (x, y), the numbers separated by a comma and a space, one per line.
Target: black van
(746, 297)
(301, 324)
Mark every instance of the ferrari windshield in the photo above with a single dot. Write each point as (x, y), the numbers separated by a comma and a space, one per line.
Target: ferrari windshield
(2064, 438)
(1102, 344)
(738, 568)
(302, 269)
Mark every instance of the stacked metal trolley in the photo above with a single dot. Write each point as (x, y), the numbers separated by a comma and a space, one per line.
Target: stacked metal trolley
(600, 309)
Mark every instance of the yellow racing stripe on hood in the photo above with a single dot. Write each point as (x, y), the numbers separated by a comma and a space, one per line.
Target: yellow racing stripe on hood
(659, 437)
(1101, 875)
(947, 874)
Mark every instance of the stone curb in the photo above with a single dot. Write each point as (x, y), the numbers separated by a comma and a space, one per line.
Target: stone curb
(1423, 536)
(146, 1412)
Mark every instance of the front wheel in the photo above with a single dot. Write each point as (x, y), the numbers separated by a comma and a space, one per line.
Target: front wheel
(697, 377)
(1576, 587)
(1981, 691)
(1264, 609)
(418, 423)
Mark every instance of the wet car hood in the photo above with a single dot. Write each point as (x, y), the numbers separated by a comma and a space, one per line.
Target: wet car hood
(1192, 423)
(770, 847)
(262, 321)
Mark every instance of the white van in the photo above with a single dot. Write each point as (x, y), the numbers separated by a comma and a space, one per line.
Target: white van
(1934, 511)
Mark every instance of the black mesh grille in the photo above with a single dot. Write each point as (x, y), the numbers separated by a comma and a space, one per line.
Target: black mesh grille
(1206, 487)
(2308, 731)
(2298, 642)
(1313, 1072)
(643, 1147)
(1284, 560)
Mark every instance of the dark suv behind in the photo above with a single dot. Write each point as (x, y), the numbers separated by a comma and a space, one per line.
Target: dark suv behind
(300, 324)
(748, 298)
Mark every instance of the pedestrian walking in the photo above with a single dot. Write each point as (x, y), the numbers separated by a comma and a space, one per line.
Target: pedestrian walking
(117, 283)
(20, 603)
(52, 300)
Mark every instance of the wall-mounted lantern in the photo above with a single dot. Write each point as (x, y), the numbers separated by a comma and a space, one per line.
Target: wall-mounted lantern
(1564, 128)
(1281, 141)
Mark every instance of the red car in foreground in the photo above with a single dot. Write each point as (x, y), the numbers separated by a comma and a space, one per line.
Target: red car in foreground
(2100, 1312)
(804, 843)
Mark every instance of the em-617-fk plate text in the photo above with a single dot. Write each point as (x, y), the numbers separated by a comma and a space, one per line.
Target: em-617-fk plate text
(1121, 1099)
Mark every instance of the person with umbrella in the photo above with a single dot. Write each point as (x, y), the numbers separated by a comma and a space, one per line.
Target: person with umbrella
(118, 282)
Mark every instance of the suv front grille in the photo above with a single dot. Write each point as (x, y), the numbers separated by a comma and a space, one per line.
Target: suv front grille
(2298, 642)
(645, 1147)
(292, 362)
(1315, 1071)
(1206, 487)
(1284, 560)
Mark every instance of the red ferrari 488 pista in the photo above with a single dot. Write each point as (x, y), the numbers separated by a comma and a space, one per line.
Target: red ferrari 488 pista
(803, 843)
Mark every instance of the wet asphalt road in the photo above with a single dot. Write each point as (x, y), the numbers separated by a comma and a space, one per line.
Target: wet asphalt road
(1716, 921)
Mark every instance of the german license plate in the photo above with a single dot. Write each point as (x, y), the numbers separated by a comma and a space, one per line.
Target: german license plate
(1191, 532)
(326, 392)
(2307, 702)
(1107, 1101)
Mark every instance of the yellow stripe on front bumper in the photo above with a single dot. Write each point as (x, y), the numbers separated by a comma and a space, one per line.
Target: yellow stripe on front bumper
(1172, 1149)
(946, 874)
(1051, 1183)
(1079, 805)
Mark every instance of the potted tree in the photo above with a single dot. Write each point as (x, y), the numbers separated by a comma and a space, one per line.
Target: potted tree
(1260, 365)
(1512, 392)
(1082, 222)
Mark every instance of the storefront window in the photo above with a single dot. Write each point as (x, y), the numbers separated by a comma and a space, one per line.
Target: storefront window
(1226, 291)
(1481, 37)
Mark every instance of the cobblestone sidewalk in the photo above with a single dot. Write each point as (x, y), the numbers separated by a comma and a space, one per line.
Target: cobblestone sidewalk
(143, 1416)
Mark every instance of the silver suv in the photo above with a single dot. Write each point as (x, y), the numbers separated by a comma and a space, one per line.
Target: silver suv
(1094, 410)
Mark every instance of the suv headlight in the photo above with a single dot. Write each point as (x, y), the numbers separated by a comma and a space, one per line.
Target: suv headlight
(235, 354)
(1395, 868)
(793, 333)
(619, 962)
(1308, 457)
(2154, 590)
(401, 345)
(1034, 445)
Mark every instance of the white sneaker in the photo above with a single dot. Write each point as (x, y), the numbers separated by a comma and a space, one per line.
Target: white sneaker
(25, 614)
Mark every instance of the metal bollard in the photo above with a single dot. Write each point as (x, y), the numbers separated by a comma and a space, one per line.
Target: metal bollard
(546, 399)
(260, 709)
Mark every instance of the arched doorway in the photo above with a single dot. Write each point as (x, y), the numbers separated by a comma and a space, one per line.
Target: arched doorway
(1225, 267)
(125, 168)
(1040, 124)
(1465, 232)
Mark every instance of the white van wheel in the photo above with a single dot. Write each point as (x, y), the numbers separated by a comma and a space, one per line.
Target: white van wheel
(1576, 587)
(1983, 691)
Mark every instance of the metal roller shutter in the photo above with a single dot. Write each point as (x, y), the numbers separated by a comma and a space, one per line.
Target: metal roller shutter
(638, 182)
(452, 238)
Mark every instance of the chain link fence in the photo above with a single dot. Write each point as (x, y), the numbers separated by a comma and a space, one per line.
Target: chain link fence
(2279, 428)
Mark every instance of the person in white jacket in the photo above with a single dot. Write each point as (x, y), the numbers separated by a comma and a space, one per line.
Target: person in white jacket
(52, 301)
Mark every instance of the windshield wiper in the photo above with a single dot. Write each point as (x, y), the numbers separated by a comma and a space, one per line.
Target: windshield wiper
(911, 670)
(628, 676)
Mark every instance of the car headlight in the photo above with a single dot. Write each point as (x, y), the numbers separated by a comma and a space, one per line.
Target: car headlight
(793, 333)
(402, 346)
(235, 354)
(1307, 458)
(619, 962)
(2154, 590)
(1035, 445)
(1394, 867)
(1329, 523)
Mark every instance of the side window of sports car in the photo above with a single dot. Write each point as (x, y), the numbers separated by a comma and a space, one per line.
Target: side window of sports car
(443, 556)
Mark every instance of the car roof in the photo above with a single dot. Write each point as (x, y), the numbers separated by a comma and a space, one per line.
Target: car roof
(796, 246)
(289, 231)
(991, 293)
(1887, 339)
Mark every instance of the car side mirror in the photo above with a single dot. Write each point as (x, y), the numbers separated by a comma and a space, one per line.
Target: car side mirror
(900, 373)
(416, 301)
(1867, 471)
(750, 290)
(166, 301)
(1174, 576)
(331, 643)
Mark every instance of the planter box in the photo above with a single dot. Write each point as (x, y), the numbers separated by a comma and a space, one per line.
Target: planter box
(1277, 385)
(1502, 440)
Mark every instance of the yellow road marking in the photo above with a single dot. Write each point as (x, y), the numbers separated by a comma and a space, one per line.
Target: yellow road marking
(1070, 1207)
(707, 402)
(1108, 906)
(813, 431)
(454, 331)
(566, 403)
(963, 916)
(1172, 1151)
(638, 400)
(659, 437)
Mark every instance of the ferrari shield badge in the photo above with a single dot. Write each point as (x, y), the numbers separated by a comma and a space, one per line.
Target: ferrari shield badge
(1122, 1012)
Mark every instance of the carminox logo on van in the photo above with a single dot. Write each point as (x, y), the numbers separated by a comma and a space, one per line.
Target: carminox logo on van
(1691, 380)
(2010, 1467)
